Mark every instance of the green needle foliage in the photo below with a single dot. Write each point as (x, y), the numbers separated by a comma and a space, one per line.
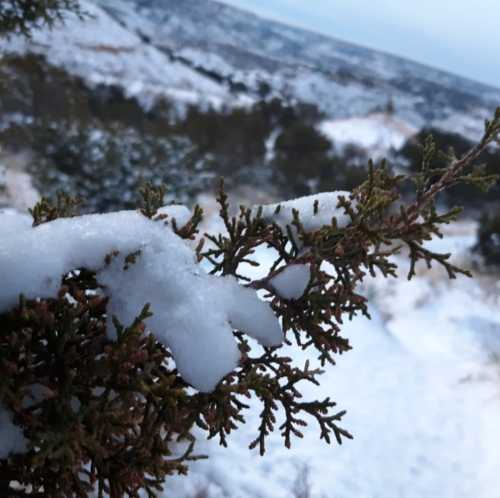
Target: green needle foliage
(115, 417)
(45, 210)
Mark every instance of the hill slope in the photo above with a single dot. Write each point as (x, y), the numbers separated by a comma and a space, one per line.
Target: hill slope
(202, 51)
(262, 56)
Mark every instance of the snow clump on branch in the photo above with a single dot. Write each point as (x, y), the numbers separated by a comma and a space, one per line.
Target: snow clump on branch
(315, 211)
(193, 313)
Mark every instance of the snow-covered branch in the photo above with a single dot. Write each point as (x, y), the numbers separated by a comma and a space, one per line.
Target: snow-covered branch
(193, 313)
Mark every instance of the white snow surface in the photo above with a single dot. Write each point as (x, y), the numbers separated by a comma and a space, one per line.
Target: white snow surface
(193, 313)
(13, 222)
(376, 133)
(292, 281)
(421, 395)
(11, 436)
(327, 208)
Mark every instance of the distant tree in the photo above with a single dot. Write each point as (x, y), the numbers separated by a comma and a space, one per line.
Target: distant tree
(306, 161)
(105, 164)
(301, 142)
(301, 155)
(264, 89)
(338, 173)
(226, 134)
(23, 16)
(488, 237)
(390, 107)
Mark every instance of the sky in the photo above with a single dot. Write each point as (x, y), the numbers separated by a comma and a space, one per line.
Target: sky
(461, 36)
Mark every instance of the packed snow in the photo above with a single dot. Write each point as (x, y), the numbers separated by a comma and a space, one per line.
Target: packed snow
(193, 313)
(292, 281)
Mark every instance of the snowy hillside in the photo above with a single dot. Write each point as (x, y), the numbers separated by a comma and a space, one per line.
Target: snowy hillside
(100, 50)
(262, 56)
(202, 51)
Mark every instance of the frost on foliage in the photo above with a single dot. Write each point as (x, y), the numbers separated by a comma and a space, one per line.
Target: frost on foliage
(292, 281)
(312, 219)
(193, 313)
(11, 436)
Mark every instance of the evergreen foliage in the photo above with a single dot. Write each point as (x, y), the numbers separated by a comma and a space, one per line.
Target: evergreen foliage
(307, 161)
(441, 146)
(116, 417)
(105, 165)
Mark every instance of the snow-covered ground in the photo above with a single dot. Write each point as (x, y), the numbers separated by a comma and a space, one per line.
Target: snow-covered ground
(193, 52)
(100, 50)
(377, 133)
(422, 396)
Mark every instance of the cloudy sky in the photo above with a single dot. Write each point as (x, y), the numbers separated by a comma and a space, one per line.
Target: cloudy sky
(462, 36)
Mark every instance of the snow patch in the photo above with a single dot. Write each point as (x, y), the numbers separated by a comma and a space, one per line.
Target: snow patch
(181, 214)
(12, 222)
(377, 133)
